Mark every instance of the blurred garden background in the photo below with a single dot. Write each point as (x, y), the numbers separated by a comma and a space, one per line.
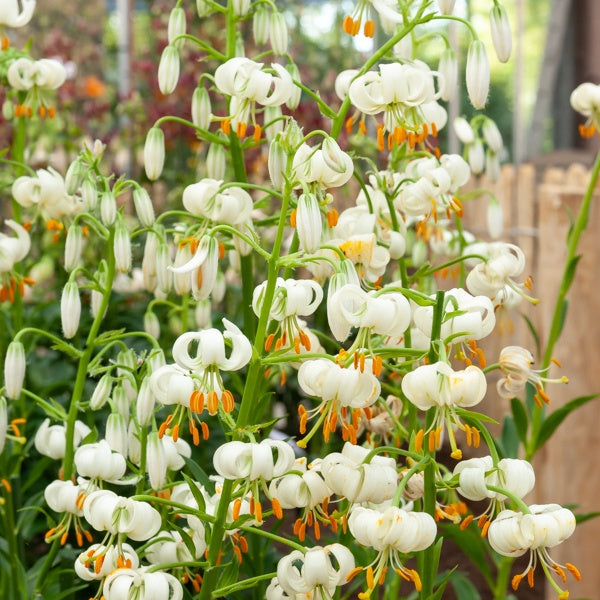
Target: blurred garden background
(111, 51)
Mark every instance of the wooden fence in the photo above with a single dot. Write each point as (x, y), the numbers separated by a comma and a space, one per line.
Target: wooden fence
(537, 205)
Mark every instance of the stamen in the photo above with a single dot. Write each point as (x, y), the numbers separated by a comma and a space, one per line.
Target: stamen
(349, 124)
(348, 25)
(369, 29)
(573, 570)
(277, 510)
(380, 138)
(257, 133)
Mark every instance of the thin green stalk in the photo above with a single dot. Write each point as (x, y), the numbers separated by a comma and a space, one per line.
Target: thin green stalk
(502, 578)
(573, 238)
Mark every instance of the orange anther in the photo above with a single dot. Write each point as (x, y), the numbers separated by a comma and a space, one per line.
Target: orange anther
(380, 138)
(369, 29)
(257, 133)
(466, 522)
(226, 126)
(370, 578)
(362, 127)
(349, 123)
(277, 511)
(238, 554)
(205, 431)
(348, 25)
(419, 440)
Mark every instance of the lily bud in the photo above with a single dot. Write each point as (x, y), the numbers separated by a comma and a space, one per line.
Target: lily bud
(3, 422)
(478, 74)
(241, 7)
(296, 93)
(419, 253)
(143, 206)
(101, 392)
(168, 70)
(492, 166)
(202, 314)
(70, 309)
(108, 208)
(446, 6)
(164, 277)
(122, 247)
(74, 176)
(151, 324)
(273, 123)
(144, 406)
(309, 224)
(476, 157)
(448, 68)
(8, 110)
(96, 296)
(492, 136)
(494, 218)
(176, 27)
(89, 194)
(203, 8)
(216, 162)
(464, 131)
(73, 247)
(154, 153)
(201, 108)
(14, 369)
(501, 35)
(335, 158)
(116, 433)
(277, 164)
(260, 25)
(278, 33)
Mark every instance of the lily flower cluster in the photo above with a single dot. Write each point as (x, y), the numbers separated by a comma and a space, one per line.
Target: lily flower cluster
(309, 283)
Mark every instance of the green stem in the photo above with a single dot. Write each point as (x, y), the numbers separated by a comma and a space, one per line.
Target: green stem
(502, 578)
(573, 238)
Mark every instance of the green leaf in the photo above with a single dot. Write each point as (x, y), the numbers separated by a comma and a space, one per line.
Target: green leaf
(570, 272)
(463, 588)
(195, 492)
(229, 575)
(550, 425)
(510, 438)
(586, 516)
(472, 545)
(197, 472)
(534, 334)
(186, 539)
(418, 297)
(520, 418)
(67, 349)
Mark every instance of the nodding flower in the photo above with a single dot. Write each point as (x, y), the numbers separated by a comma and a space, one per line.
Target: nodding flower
(387, 10)
(16, 13)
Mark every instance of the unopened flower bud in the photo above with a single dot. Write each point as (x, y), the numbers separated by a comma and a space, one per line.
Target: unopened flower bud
(216, 162)
(404, 48)
(309, 224)
(73, 247)
(8, 110)
(501, 35)
(448, 68)
(143, 206)
(273, 122)
(260, 25)
(277, 163)
(492, 166)
(278, 33)
(492, 136)
(478, 74)
(164, 276)
(14, 369)
(120, 401)
(241, 7)
(176, 27)
(108, 208)
(3, 422)
(122, 247)
(89, 194)
(74, 176)
(168, 70)
(476, 157)
(446, 6)
(154, 153)
(151, 324)
(419, 253)
(296, 93)
(144, 405)
(101, 392)
(201, 108)
(203, 8)
(116, 433)
(494, 218)
(156, 360)
(70, 309)
(464, 131)
(335, 158)
(203, 314)
(96, 296)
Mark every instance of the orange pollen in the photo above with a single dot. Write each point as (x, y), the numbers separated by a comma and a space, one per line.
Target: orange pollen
(238, 554)
(226, 126)
(380, 138)
(353, 573)
(349, 123)
(277, 511)
(466, 522)
(530, 573)
(369, 28)
(348, 25)
(419, 440)
(370, 578)
(257, 133)
(213, 402)
(4, 43)
(362, 127)
(516, 580)
(240, 130)
(293, 218)
(332, 217)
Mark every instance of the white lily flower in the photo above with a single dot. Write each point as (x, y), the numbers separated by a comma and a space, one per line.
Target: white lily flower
(501, 34)
(98, 461)
(63, 496)
(98, 561)
(317, 573)
(439, 386)
(105, 511)
(311, 166)
(16, 14)
(169, 547)
(545, 526)
(233, 205)
(203, 267)
(478, 74)
(515, 476)
(171, 384)
(391, 532)
(585, 99)
(13, 249)
(381, 312)
(370, 258)
(248, 84)
(347, 475)
(388, 13)
(139, 584)
(343, 81)
(471, 316)
(50, 439)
